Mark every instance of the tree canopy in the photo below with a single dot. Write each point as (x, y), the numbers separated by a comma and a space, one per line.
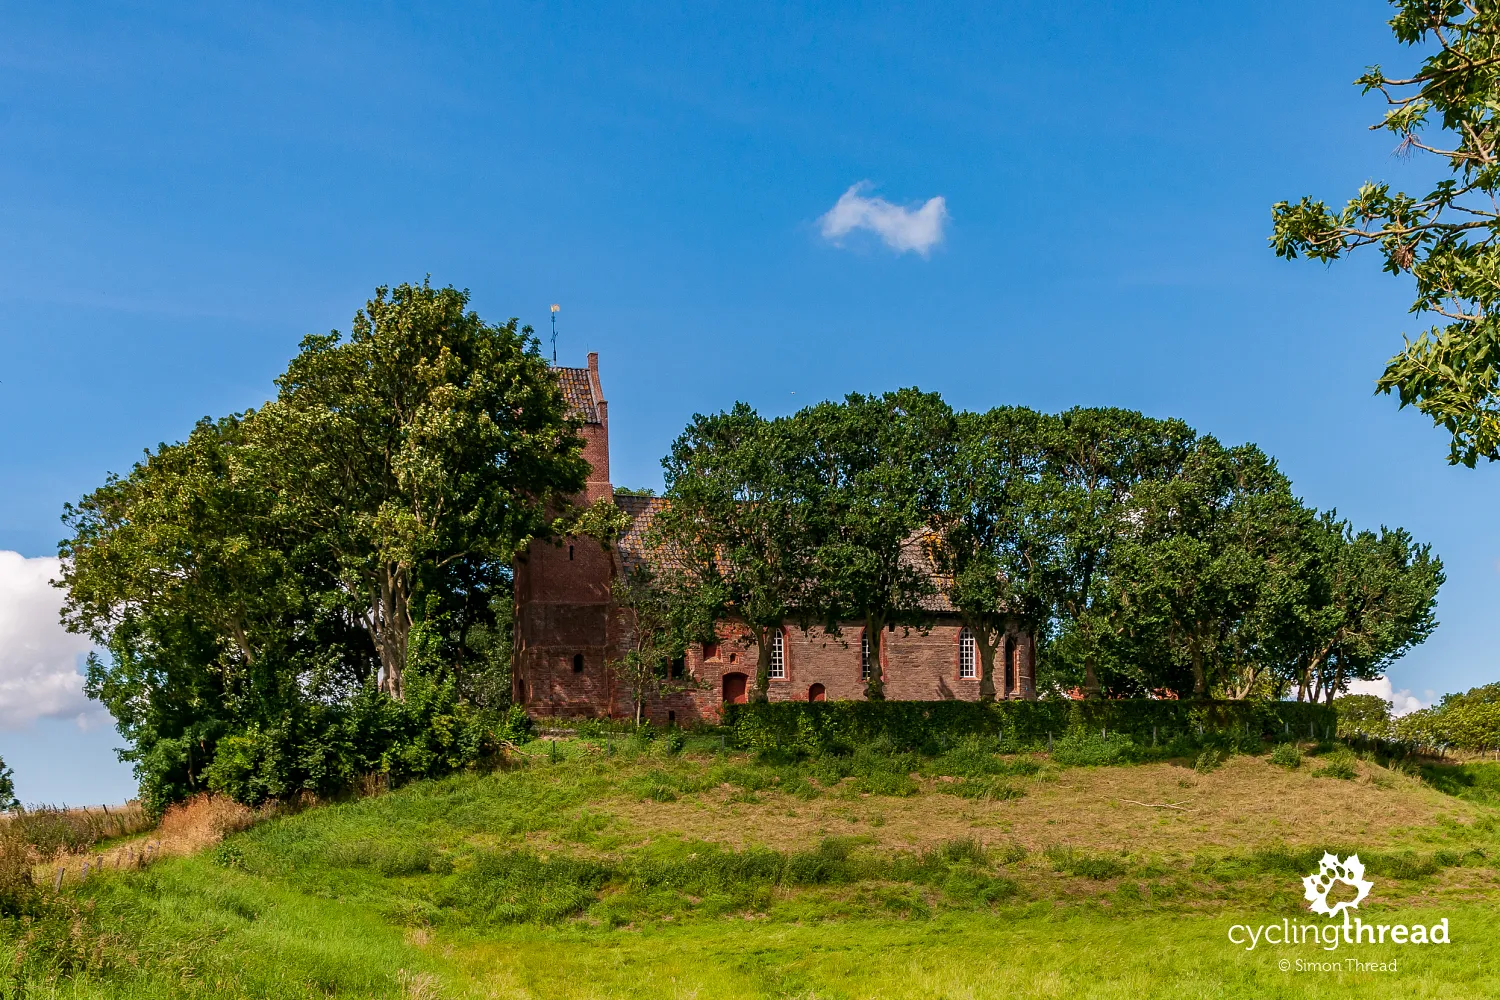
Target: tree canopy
(1448, 239)
(255, 583)
(1148, 560)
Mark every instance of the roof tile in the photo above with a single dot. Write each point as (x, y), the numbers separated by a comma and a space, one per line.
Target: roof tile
(578, 391)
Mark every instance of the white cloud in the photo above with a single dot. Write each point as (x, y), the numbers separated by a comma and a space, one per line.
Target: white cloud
(1403, 702)
(902, 229)
(39, 661)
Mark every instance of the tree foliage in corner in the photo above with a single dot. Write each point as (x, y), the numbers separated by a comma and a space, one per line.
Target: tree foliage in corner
(1447, 239)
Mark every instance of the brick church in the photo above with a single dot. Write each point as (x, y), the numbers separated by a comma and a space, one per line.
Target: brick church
(567, 630)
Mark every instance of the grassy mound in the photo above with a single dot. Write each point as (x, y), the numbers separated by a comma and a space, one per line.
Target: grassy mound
(625, 868)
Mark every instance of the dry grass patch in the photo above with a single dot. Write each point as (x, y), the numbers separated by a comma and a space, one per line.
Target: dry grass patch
(1163, 807)
(203, 821)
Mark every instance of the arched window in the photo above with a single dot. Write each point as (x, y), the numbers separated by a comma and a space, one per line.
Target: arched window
(966, 669)
(778, 655)
(864, 657)
(577, 663)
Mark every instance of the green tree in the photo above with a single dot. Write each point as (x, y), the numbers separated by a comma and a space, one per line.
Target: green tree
(8, 798)
(1363, 715)
(1381, 599)
(878, 462)
(737, 489)
(991, 544)
(1096, 459)
(1468, 721)
(425, 438)
(1447, 239)
(1198, 553)
(183, 573)
(662, 616)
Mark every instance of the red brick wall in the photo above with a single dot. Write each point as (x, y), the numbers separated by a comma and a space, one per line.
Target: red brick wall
(563, 610)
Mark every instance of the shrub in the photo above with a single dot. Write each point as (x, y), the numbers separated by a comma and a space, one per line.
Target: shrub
(1208, 761)
(1083, 748)
(1286, 755)
(18, 894)
(1338, 764)
(840, 726)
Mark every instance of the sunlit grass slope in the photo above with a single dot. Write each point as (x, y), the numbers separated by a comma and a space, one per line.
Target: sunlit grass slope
(623, 870)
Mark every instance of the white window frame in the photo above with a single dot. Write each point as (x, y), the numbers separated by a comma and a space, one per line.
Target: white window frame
(778, 656)
(864, 656)
(966, 657)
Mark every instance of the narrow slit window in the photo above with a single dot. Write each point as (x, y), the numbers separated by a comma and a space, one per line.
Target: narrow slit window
(966, 669)
(864, 657)
(778, 656)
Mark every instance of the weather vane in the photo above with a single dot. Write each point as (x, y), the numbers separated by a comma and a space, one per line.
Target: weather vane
(555, 308)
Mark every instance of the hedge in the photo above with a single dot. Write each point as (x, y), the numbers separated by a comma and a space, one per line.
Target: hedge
(929, 725)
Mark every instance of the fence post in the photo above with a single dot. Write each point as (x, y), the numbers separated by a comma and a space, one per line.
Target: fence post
(1049, 741)
(1153, 736)
(57, 882)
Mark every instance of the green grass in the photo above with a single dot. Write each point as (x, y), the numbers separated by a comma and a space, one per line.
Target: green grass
(535, 883)
(1475, 782)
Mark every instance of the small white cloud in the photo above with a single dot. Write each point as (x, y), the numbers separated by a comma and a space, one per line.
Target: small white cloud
(39, 661)
(902, 229)
(1403, 702)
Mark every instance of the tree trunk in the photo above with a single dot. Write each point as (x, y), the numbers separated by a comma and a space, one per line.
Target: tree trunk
(762, 691)
(1200, 678)
(391, 626)
(1091, 686)
(982, 639)
(875, 686)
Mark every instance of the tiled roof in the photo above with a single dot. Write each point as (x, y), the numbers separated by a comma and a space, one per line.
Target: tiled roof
(633, 546)
(578, 390)
(635, 549)
(917, 552)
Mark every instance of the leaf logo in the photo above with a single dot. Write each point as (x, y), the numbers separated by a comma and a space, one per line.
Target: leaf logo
(1350, 871)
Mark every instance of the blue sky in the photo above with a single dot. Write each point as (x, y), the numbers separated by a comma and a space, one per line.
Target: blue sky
(185, 192)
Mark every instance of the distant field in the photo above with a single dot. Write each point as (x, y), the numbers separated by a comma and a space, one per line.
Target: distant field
(643, 873)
